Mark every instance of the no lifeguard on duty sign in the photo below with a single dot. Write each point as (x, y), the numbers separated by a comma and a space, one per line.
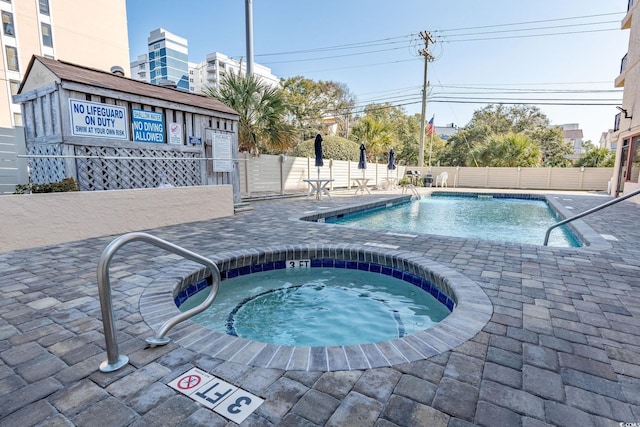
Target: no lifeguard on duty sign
(226, 399)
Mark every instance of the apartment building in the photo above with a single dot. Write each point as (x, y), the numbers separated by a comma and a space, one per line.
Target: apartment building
(210, 72)
(92, 33)
(627, 122)
(573, 136)
(167, 60)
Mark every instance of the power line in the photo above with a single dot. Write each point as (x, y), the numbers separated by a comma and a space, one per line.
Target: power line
(537, 22)
(412, 37)
(524, 36)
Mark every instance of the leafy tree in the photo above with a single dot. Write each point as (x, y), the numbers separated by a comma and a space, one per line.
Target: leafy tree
(553, 146)
(587, 145)
(459, 150)
(508, 150)
(262, 109)
(596, 158)
(407, 133)
(311, 102)
(333, 147)
(501, 120)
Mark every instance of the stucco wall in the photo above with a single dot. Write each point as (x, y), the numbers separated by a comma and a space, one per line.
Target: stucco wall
(44, 219)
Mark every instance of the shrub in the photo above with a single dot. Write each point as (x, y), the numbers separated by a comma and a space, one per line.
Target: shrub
(67, 184)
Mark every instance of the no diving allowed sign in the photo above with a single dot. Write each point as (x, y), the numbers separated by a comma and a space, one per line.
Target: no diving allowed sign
(226, 399)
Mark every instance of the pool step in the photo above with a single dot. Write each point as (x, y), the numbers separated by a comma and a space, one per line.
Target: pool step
(242, 207)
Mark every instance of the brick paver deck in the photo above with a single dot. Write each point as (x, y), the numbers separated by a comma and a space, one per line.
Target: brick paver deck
(561, 348)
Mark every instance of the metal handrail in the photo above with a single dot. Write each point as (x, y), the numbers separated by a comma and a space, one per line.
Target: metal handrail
(114, 360)
(589, 211)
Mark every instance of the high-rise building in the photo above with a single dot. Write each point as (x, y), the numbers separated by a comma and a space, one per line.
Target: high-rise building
(93, 34)
(217, 65)
(168, 59)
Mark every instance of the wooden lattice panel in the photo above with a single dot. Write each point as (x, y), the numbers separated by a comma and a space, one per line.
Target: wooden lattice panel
(137, 168)
(46, 169)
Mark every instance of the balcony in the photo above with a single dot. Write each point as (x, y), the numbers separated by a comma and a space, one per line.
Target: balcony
(620, 79)
(626, 21)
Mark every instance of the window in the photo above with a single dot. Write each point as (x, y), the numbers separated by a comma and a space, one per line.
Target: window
(44, 7)
(14, 85)
(634, 164)
(46, 35)
(7, 23)
(12, 58)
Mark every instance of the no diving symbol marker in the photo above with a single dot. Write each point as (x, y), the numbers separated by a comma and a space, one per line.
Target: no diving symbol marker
(189, 382)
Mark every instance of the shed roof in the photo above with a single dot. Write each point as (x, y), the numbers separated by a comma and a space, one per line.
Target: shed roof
(573, 134)
(67, 71)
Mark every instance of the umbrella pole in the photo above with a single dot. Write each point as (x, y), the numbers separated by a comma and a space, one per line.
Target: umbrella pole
(318, 172)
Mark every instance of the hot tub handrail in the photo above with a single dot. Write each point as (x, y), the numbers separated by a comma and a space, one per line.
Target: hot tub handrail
(588, 212)
(114, 360)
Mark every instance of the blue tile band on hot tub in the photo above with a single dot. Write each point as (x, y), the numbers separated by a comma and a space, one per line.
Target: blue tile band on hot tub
(371, 267)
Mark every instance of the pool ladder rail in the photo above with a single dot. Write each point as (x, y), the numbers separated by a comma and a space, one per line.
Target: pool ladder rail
(412, 188)
(114, 360)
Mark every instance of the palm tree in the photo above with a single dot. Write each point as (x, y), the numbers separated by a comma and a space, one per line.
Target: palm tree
(262, 112)
(509, 150)
(375, 134)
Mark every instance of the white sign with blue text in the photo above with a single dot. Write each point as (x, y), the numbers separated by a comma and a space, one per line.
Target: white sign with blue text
(98, 120)
(148, 126)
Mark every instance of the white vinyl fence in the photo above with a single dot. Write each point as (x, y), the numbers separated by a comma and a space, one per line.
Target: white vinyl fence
(13, 170)
(283, 174)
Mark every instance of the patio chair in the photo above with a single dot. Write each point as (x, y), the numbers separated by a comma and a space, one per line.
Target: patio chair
(442, 179)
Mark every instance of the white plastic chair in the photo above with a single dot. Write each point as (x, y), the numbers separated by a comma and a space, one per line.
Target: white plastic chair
(442, 179)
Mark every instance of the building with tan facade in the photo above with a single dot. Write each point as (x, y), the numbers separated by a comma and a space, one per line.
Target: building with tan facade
(627, 123)
(92, 33)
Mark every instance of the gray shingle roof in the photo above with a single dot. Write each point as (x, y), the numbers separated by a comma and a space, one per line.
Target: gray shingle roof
(67, 71)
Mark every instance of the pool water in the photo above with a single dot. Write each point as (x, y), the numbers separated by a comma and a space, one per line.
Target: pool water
(318, 307)
(482, 217)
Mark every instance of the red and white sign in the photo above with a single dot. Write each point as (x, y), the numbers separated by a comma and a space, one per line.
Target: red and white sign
(190, 381)
(175, 133)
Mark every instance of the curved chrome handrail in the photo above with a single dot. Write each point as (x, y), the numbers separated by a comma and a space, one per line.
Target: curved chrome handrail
(587, 212)
(114, 360)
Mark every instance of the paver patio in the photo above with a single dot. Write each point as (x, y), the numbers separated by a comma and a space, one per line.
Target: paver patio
(562, 346)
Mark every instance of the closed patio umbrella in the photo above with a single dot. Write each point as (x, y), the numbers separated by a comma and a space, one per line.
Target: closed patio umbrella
(318, 151)
(362, 162)
(392, 160)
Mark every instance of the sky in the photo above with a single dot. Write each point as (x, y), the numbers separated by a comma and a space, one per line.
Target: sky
(559, 55)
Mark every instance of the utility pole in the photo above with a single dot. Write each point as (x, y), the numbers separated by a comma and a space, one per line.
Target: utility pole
(248, 12)
(426, 36)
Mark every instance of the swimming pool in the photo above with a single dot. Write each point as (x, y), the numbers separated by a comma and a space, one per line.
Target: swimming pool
(322, 306)
(502, 218)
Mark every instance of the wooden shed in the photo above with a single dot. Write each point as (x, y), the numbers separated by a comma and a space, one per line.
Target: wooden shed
(110, 132)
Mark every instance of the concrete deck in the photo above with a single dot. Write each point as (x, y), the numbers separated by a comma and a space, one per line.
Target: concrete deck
(562, 347)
